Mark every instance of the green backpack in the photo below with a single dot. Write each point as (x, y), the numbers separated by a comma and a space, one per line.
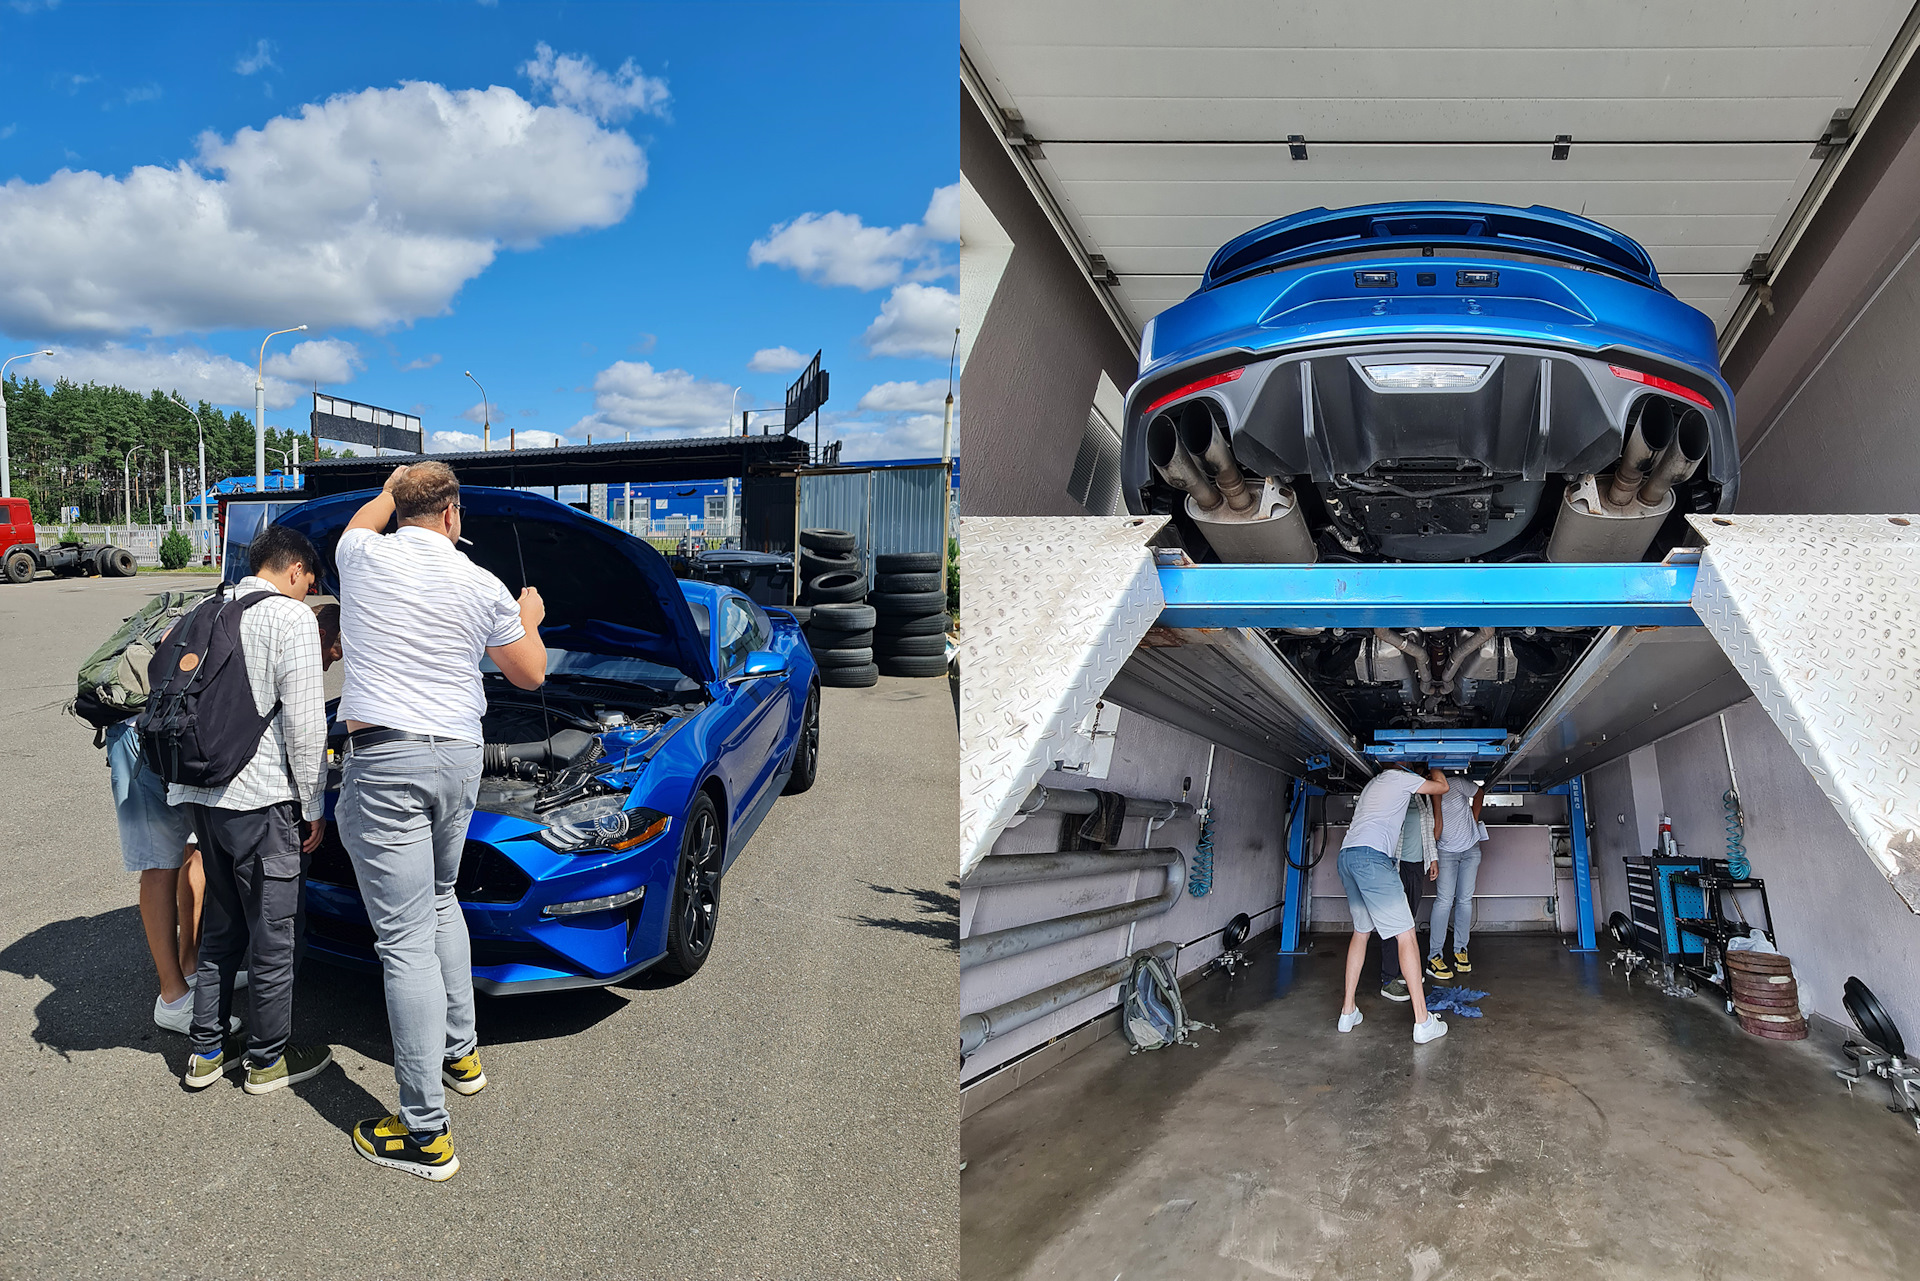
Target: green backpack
(113, 680)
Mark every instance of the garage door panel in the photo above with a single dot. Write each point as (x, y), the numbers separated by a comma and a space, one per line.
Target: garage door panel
(1220, 162)
(1191, 260)
(1122, 232)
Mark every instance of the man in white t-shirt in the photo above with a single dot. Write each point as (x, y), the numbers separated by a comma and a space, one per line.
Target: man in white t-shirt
(416, 616)
(1371, 877)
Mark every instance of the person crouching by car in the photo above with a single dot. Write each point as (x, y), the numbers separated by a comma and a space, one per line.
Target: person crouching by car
(157, 841)
(1375, 896)
(416, 616)
(254, 847)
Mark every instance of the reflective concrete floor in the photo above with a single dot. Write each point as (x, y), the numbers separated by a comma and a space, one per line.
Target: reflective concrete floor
(1579, 1129)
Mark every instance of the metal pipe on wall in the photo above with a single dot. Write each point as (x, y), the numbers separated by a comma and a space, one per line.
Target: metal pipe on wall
(1024, 869)
(977, 1029)
(997, 945)
(1061, 800)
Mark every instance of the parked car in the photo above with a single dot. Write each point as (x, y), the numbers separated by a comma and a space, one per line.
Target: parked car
(615, 798)
(1430, 382)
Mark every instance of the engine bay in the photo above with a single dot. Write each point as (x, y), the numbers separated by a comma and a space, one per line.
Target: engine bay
(569, 742)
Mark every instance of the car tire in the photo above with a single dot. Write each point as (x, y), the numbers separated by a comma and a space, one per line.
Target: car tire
(693, 916)
(832, 658)
(908, 604)
(921, 646)
(844, 616)
(806, 752)
(118, 562)
(912, 665)
(20, 568)
(919, 625)
(907, 583)
(836, 588)
(849, 677)
(825, 638)
(812, 565)
(827, 540)
(907, 563)
(802, 614)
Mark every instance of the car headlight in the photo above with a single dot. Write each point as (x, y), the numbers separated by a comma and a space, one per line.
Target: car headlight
(601, 824)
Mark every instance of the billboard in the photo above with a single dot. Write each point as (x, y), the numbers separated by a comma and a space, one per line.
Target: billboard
(808, 393)
(357, 424)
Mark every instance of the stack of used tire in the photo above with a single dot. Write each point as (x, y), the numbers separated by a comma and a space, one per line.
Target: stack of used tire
(1766, 999)
(910, 606)
(840, 625)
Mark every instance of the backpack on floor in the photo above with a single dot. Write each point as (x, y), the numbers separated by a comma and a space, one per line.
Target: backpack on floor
(1152, 1015)
(200, 726)
(112, 683)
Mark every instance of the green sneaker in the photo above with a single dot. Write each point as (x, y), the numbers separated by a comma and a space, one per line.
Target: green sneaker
(295, 1064)
(463, 1075)
(203, 1071)
(1396, 991)
(385, 1140)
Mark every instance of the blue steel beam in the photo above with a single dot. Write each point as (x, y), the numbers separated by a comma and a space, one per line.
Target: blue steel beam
(1428, 595)
(1294, 901)
(1576, 793)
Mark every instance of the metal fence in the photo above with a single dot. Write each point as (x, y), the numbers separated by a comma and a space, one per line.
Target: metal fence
(142, 540)
(888, 509)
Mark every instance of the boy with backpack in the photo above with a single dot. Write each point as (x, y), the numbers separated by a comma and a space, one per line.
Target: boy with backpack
(236, 722)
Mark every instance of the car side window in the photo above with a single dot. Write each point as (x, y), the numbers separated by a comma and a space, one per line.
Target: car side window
(744, 627)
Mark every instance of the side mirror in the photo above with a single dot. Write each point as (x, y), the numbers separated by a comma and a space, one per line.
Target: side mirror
(761, 662)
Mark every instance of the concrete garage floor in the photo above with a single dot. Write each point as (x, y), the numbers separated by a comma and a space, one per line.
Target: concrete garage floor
(1579, 1129)
(788, 1112)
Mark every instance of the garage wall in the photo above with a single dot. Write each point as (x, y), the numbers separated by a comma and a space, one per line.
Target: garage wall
(1833, 912)
(1153, 760)
(1609, 800)
(1035, 365)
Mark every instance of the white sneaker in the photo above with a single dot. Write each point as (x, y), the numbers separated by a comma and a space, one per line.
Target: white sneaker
(1432, 1030)
(1350, 1020)
(178, 1017)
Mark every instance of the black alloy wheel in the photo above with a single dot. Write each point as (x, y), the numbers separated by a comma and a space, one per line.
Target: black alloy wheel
(806, 752)
(696, 891)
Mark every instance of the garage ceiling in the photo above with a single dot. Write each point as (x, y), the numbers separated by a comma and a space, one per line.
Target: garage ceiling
(1162, 131)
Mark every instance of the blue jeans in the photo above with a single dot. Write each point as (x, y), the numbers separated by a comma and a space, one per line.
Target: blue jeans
(1375, 894)
(403, 813)
(1454, 896)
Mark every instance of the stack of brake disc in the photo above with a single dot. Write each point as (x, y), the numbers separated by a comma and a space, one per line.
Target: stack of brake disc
(1766, 999)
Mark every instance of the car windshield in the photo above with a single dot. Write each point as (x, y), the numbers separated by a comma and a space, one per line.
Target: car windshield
(607, 667)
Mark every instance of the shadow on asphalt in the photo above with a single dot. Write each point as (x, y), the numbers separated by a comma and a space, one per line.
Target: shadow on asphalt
(937, 914)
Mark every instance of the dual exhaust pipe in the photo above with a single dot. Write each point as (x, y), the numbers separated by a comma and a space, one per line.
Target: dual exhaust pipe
(1189, 449)
(1665, 445)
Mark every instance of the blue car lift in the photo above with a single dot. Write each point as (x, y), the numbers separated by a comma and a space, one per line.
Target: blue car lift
(1364, 596)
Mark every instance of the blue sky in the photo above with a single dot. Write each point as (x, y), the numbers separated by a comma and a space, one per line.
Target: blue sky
(613, 214)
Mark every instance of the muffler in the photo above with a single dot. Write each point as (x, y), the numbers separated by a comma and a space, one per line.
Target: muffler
(1177, 465)
(1615, 519)
(1272, 531)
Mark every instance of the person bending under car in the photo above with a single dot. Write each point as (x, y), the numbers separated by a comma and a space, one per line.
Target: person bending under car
(416, 616)
(1419, 863)
(1375, 894)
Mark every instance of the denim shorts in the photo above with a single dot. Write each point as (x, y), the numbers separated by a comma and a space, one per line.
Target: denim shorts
(1374, 893)
(153, 834)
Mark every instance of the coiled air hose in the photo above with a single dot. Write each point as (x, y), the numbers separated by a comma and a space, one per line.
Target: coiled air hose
(1737, 865)
(1200, 875)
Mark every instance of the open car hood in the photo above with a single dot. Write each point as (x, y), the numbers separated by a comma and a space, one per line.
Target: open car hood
(606, 592)
(1318, 233)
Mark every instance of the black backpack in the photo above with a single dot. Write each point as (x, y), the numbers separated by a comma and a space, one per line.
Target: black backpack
(200, 726)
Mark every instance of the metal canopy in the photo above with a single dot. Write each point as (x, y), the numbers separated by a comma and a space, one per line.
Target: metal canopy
(702, 458)
(1163, 133)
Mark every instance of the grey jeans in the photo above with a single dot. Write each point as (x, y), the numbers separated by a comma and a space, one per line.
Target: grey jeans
(403, 813)
(255, 920)
(1453, 893)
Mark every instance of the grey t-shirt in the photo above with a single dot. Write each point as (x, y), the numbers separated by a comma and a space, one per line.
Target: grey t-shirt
(1458, 830)
(1381, 809)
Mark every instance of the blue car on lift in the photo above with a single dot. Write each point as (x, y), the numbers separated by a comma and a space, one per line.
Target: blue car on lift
(1430, 381)
(613, 799)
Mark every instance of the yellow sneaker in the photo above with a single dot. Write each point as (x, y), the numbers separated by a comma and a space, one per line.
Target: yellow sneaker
(1437, 968)
(1460, 962)
(463, 1075)
(384, 1140)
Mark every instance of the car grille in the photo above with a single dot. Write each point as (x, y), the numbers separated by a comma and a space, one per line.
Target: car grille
(486, 875)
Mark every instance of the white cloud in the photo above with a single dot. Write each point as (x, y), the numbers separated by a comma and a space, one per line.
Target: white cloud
(454, 442)
(573, 80)
(319, 360)
(927, 397)
(912, 436)
(423, 362)
(480, 412)
(839, 249)
(368, 210)
(915, 320)
(775, 360)
(259, 60)
(196, 374)
(631, 395)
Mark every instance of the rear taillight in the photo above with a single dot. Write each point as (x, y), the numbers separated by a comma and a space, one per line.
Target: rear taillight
(1190, 388)
(1661, 384)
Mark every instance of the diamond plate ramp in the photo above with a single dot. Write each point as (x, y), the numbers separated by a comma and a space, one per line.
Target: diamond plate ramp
(1821, 616)
(1051, 607)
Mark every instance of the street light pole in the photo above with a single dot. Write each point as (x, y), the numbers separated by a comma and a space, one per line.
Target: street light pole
(201, 473)
(6, 466)
(486, 417)
(260, 410)
(126, 490)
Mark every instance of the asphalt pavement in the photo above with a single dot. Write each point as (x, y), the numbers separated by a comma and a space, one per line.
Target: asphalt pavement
(786, 1113)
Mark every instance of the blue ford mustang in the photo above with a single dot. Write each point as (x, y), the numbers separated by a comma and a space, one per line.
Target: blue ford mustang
(1430, 382)
(613, 799)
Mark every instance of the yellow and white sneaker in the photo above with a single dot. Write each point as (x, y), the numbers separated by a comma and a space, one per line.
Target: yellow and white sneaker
(463, 1075)
(384, 1140)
